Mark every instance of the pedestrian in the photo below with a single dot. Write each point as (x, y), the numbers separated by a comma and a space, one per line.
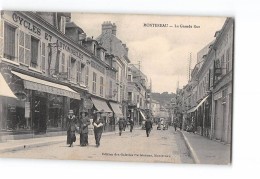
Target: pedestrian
(98, 128)
(71, 128)
(121, 125)
(148, 126)
(131, 122)
(83, 130)
(124, 123)
(175, 125)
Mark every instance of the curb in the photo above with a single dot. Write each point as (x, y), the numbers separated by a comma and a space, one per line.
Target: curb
(35, 145)
(22, 147)
(192, 151)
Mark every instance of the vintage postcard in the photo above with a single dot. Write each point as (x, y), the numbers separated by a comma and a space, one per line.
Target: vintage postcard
(116, 87)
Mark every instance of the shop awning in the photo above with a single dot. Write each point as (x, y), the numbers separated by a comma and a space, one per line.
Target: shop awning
(100, 105)
(142, 114)
(116, 109)
(191, 110)
(195, 108)
(4, 88)
(37, 84)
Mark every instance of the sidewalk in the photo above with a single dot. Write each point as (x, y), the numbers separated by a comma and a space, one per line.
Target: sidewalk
(206, 151)
(14, 145)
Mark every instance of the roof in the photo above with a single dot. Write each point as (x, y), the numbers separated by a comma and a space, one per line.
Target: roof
(73, 25)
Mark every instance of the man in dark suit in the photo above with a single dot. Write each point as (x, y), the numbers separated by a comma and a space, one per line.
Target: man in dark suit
(148, 126)
(121, 125)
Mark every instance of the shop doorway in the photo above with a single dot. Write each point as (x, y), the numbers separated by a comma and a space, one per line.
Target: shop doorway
(39, 117)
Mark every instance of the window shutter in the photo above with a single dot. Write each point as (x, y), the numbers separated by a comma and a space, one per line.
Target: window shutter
(69, 64)
(43, 56)
(1, 38)
(86, 78)
(21, 46)
(27, 49)
(78, 71)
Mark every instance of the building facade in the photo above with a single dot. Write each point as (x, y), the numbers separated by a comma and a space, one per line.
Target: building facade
(208, 95)
(51, 66)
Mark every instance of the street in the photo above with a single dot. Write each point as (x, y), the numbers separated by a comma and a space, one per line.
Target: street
(161, 146)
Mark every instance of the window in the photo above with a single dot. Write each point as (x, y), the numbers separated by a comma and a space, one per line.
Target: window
(87, 74)
(34, 52)
(43, 57)
(63, 63)
(130, 96)
(81, 74)
(78, 72)
(94, 87)
(101, 85)
(73, 70)
(129, 77)
(9, 42)
(110, 88)
(223, 64)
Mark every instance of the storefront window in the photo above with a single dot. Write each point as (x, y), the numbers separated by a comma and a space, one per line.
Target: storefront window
(55, 111)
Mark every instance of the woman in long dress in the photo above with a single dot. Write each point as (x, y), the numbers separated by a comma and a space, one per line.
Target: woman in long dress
(84, 122)
(71, 128)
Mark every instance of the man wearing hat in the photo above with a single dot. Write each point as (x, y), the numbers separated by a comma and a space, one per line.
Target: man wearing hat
(71, 128)
(98, 128)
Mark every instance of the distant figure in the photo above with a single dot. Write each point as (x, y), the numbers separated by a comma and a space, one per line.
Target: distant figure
(125, 123)
(175, 125)
(84, 123)
(121, 125)
(148, 126)
(71, 128)
(98, 129)
(131, 122)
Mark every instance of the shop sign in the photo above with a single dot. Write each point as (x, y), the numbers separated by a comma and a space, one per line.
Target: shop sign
(69, 49)
(27, 109)
(26, 24)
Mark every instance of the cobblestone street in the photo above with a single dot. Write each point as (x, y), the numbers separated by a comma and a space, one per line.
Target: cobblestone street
(161, 146)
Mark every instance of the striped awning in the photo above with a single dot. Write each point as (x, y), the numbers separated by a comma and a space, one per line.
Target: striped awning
(116, 109)
(5, 89)
(37, 84)
(101, 105)
(195, 108)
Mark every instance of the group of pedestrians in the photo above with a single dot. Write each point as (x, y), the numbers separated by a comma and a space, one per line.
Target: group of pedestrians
(122, 124)
(81, 125)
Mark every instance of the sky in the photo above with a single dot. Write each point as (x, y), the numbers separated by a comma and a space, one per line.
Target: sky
(164, 52)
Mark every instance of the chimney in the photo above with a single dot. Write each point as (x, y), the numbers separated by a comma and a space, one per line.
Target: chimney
(107, 27)
(114, 29)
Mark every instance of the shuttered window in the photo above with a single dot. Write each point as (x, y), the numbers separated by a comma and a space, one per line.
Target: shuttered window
(87, 74)
(94, 89)
(34, 52)
(101, 86)
(9, 42)
(63, 63)
(43, 56)
(21, 46)
(69, 68)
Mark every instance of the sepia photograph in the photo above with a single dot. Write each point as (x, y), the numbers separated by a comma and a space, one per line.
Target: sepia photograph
(116, 87)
